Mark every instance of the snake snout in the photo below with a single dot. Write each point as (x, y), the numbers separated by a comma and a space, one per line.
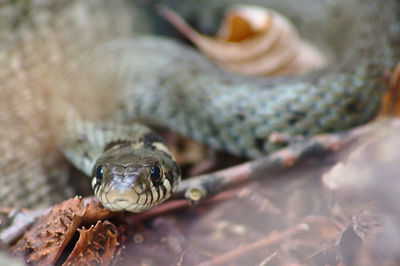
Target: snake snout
(121, 196)
(126, 189)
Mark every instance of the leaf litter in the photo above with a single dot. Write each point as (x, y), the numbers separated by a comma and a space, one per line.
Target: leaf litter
(336, 210)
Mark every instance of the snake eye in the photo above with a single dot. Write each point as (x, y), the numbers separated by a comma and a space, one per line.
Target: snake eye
(99, 172)
(155, 173)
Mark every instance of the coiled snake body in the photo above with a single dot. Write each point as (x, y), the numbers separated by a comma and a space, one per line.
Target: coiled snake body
(78, 75)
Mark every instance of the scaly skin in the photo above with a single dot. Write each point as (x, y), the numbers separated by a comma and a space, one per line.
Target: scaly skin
(165, 83)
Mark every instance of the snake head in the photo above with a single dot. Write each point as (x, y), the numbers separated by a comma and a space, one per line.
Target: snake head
(135, 176)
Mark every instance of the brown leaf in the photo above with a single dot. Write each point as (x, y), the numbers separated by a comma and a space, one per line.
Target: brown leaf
(45, 241)
(391, 100)
(96, 245)
(254, 41)
(95, 211)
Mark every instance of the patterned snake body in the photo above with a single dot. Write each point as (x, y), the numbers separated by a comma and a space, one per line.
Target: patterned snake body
(97, 89)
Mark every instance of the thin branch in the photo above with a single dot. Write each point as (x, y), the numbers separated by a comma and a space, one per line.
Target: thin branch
(199, 187)
(268, 241)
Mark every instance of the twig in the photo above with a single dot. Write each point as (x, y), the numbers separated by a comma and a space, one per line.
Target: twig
(173, 18)
(268, 259)
(263, 243)
(197, 188)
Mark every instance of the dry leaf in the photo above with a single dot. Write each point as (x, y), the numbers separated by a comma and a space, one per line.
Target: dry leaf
(254, 41)
(391, 100)
(45, 241)
(96, 245)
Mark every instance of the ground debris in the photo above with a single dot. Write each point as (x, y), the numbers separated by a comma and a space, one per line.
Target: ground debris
(335, 210)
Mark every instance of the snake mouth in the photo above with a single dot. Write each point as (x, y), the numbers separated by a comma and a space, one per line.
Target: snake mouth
(130, 201)
(117, 201)
(122, 203)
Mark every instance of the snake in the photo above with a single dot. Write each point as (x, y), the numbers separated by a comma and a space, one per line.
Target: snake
(87, 80)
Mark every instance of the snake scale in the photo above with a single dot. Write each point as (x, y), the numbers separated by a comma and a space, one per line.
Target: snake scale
(85, 77)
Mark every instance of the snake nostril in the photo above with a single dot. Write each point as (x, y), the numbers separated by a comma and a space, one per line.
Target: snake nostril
(139, 187)
(142, 186)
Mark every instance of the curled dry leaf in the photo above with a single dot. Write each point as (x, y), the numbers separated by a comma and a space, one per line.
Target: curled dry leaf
(96, 245)
(45, 241)
(254, 41)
